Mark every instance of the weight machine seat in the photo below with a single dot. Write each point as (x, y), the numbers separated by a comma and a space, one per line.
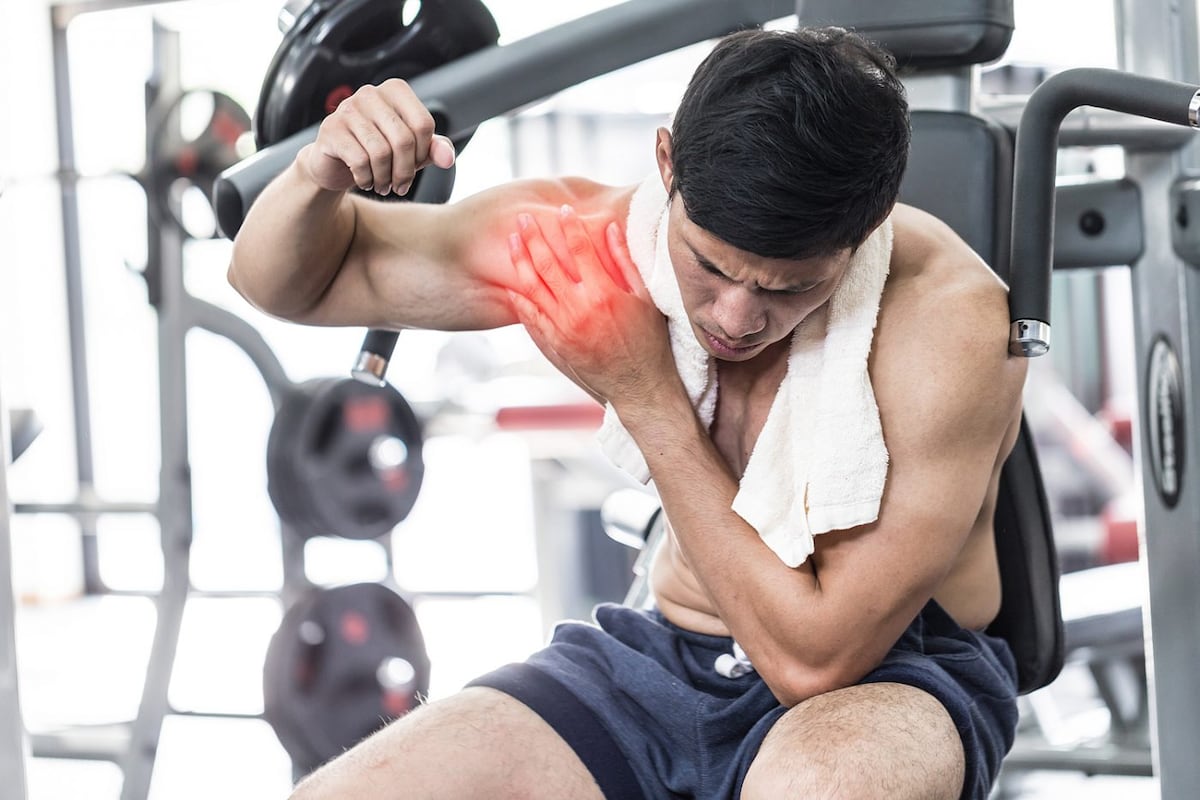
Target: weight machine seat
(1030, 617)
(960, 170)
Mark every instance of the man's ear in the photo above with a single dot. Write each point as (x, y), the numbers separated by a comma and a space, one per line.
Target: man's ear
(662, 154)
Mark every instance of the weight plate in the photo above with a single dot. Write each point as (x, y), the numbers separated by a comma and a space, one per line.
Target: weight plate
(344, 662)
(344, 459)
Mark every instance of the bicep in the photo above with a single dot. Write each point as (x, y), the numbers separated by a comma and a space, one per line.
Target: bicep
(410, 265)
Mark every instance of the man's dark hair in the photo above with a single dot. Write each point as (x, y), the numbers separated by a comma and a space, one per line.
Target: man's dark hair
(791, 144)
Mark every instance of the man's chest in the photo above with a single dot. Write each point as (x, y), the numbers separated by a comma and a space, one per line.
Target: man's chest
(741, 412)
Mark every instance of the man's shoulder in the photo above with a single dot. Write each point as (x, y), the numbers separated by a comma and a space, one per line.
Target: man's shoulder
(942, 336)
(933, 271)
(588, 196)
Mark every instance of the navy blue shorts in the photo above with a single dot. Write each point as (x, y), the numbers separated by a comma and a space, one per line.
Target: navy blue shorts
(638, 700)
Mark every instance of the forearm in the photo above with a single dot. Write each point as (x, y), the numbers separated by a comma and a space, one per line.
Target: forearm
(758, 597)
(292, 244)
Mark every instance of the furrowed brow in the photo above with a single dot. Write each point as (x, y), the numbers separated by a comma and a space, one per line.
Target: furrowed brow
(706, 264)
(806, 286)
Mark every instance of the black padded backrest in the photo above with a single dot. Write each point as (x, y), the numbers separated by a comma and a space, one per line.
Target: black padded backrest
(960, 170)
(922, 34)
(1030, 617)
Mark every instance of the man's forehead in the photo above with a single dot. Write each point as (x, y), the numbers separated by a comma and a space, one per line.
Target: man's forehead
(782, 272)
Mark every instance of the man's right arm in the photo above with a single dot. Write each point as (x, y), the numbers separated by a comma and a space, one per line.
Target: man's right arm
(292, 244)
(312, 253)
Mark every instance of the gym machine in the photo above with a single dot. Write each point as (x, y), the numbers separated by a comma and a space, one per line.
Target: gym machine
(1170, 515)
(329, 423)
(1159, 43)
(626, 39)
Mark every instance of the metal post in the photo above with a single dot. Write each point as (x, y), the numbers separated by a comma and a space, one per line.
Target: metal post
(177, 312)
(1158, 38)
(72, 265)
(165, 256)
(14, 745)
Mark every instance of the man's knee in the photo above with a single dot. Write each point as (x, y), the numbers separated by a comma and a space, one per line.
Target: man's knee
(871, 741)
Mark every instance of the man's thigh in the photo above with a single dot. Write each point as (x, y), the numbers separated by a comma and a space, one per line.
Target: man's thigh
(869, 741)
(478, 743)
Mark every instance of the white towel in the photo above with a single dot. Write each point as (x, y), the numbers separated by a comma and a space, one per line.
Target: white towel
(809, 473)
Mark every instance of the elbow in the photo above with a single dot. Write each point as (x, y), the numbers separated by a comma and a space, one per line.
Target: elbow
(233, 276)
(263, 301)
(792, 690)
(793, 681)
(240, 285)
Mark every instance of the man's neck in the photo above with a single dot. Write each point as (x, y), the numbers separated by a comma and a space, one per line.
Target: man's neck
(765, 369)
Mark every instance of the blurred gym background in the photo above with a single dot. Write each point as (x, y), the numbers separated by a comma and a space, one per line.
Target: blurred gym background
(503, 537)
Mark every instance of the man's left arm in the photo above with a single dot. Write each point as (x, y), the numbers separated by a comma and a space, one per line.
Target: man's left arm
(827, 623)
(944, 405)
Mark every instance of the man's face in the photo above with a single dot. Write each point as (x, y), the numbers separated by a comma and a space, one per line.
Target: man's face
(739, 303)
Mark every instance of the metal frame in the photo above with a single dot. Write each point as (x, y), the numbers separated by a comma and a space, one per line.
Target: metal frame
(577, 50)
(1159, 38)
(14, 744)
(133, 745)
(80, 384)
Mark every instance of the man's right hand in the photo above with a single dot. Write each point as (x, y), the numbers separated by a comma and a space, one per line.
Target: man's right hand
(377, 139)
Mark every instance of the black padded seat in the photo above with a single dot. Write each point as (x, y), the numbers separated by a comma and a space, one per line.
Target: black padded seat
(1030, 617)
(960, 170)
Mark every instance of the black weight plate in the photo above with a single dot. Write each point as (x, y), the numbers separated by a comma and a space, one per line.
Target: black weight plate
(344, 459)
(280, 673)
(290, 502)
(336, 46)
(174, 162)
(343, 662)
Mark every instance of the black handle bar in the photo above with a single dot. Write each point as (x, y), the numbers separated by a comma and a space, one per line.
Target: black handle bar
(1035, 164)
(501, 78)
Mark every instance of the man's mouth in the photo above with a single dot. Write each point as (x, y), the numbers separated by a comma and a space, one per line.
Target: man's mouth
(722, 348)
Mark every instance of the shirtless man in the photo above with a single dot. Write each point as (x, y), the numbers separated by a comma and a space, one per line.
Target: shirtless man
(870, 677)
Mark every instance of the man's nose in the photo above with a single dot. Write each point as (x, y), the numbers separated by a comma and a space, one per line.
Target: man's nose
(739, 313)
